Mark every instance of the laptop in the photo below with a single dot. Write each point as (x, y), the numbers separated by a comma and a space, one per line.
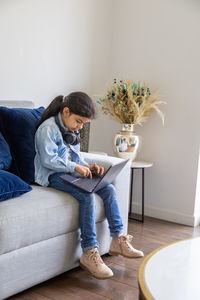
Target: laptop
(98, 181)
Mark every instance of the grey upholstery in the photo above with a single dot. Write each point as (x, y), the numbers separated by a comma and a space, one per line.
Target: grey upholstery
(84, 134)
(39, 215)
(15, 104)
(39, 231)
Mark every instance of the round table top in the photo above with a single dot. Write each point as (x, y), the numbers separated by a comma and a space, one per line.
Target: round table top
(172, 272)
(141, 164)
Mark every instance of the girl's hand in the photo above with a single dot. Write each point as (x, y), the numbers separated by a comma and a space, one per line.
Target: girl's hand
(96, 169)
(83, 170)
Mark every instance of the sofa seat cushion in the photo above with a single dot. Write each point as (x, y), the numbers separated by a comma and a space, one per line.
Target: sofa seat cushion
(39, 215)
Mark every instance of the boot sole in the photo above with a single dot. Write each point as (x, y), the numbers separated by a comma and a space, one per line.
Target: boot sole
(86, 269)
(119, 254)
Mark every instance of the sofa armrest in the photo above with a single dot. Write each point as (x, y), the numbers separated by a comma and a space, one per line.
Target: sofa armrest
(121, 183)
(101, 159)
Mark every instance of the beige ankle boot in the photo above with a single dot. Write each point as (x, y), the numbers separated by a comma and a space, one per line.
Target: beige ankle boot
(92, 262)
(121, 246)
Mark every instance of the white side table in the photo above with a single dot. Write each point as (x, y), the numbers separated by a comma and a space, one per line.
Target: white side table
(138, 165)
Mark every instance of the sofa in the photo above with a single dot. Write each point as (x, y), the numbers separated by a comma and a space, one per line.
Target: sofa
(39, 229)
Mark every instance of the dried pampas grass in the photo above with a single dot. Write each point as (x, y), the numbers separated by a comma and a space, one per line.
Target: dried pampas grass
(130, 103)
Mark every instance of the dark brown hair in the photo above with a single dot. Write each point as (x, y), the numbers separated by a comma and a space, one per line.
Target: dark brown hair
(78, 103)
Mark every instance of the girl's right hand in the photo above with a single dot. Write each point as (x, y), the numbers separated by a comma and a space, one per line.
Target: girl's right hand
(83, 170)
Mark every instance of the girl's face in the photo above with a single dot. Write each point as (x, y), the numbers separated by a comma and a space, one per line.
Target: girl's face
(73, 122)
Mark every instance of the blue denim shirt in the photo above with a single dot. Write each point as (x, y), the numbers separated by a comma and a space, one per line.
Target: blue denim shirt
(52, 153)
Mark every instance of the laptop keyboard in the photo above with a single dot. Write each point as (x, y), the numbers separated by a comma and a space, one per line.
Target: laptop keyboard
(90, 183)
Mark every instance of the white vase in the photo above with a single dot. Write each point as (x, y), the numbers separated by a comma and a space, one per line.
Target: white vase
(126, 142)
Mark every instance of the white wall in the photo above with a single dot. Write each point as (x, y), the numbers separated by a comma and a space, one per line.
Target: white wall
(52, 47)
(158, 41)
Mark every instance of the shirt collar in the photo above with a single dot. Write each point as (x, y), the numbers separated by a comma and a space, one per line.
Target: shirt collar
(61, 122)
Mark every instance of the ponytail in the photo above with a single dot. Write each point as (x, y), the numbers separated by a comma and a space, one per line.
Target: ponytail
(51, 110)
(78, 103)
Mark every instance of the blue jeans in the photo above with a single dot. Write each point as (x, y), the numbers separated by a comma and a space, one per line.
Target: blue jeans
(87, 209)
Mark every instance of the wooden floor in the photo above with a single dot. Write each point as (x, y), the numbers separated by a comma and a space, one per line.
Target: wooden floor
(78, 284)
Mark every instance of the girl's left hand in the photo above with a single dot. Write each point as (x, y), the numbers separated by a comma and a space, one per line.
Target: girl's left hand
(96, 169)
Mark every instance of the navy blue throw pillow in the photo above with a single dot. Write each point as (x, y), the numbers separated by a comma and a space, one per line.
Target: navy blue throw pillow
(18, 126)
(5, 156)
(12, 186)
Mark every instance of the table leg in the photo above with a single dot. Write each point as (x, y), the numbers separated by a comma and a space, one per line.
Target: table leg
(131, 193)
(142, 195)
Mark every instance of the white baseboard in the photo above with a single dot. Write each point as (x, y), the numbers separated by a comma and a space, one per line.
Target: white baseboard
(167, 215)
(197, 220)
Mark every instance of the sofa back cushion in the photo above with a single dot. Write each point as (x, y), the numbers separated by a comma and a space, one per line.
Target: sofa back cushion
(12, 186)
(18, 126)
(5, 156)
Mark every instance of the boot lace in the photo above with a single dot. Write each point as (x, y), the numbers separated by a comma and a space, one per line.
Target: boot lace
(126, 240)
(95, 257)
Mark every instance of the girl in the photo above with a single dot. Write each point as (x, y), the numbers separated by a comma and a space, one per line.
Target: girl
(57, 144)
